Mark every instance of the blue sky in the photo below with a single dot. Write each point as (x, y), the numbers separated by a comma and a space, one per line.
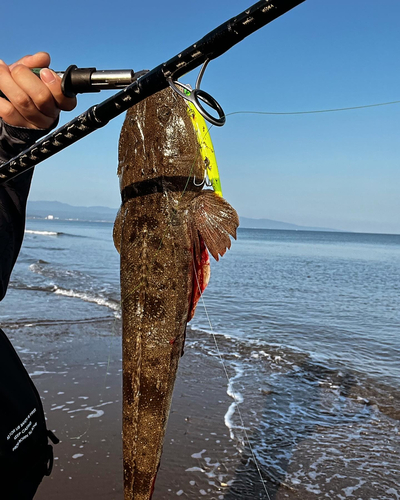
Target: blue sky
(339, 170)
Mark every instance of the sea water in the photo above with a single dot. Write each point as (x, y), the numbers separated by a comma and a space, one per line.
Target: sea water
(306, 324)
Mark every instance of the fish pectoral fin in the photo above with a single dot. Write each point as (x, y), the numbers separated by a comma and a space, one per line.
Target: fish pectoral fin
(215, 220)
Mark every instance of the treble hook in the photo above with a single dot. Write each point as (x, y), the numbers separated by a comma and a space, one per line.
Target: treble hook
(196, 95)
(201, 183)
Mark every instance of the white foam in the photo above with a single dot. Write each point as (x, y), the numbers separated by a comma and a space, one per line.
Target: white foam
(42, 233)
(195, 469)
(101, 301)
(351, 489)
(95, 413)
(25, 350)
(36, 373)
(237, 397)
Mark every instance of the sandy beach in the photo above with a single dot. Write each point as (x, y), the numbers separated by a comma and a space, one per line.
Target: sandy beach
(78, 373)
(77, 369)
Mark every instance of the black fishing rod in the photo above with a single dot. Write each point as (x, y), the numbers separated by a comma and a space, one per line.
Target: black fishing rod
(148, 83)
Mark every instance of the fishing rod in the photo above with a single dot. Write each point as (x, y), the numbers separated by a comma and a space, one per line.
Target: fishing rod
(147, 83)
(84, 80)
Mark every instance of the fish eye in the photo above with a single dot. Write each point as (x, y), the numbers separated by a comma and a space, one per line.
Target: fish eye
(163, 113)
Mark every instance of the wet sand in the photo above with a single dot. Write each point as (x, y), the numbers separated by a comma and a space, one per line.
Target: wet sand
(77, 369)
(78, 373)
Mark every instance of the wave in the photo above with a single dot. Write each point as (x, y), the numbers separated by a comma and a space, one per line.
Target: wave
(55, 233)
(102, 221)
(36, 288)
(41, 268)
(43, 233)
(87, 297)
(258, 356)
(57, 322)
(237, 400)
(45, 269)
(288, 410)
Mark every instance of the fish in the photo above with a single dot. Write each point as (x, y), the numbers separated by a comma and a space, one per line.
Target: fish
(163, 229)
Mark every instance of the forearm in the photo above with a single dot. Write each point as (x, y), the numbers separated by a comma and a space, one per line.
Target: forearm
(13, 198)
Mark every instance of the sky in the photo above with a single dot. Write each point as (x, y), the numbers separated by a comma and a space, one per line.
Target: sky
(338, 170)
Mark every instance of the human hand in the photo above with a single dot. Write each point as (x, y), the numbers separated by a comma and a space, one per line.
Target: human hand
(32, 102)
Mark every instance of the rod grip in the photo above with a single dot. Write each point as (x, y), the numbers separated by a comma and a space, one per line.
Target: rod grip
(77, 81)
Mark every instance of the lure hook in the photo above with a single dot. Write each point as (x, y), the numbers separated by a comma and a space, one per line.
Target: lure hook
(204, 181)
(207, 182)
(197, 95)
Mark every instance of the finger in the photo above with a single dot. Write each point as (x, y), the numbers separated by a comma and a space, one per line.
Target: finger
(38, 60)
(53, 83)
(10, 115)
(36, 90)
(21, 101)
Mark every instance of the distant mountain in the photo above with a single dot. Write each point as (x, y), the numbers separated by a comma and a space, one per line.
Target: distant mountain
(42, 209)
(246, 222)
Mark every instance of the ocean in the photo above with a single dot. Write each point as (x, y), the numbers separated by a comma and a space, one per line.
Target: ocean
(305, 325)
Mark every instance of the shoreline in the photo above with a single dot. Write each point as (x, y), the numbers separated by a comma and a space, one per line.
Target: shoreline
(77, 370)
(79, 379)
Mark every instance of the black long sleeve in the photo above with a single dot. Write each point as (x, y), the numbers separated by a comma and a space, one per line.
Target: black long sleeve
(13, 198)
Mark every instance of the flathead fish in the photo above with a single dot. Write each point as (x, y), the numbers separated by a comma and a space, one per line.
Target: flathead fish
(162, 229)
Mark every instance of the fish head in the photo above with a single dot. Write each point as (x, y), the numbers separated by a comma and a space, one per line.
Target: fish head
(158, 139)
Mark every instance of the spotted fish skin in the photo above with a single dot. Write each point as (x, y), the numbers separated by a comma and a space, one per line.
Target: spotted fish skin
(159, 231)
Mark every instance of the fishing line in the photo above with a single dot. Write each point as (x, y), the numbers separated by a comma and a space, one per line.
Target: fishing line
(208, 318)
(171, 221)
(237, 403)
(228, 380)
(310, 112)
(205, 309)
(332, 110)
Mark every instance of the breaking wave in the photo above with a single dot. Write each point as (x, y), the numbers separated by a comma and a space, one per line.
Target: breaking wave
(43, 233)
(88, 297)
(73, 283)
(37, 232)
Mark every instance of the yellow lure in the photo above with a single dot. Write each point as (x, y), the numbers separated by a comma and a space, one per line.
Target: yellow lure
(206, 148)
